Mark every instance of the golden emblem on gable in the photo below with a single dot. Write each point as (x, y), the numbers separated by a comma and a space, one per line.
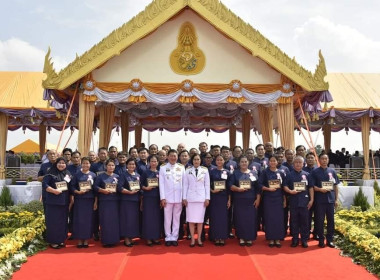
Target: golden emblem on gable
(187, 58)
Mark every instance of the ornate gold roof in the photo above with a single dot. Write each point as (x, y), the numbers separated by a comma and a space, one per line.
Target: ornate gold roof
(160, 11)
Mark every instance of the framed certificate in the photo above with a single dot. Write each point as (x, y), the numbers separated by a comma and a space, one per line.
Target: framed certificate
(152, 182)
(274, 184)
(134, 185)
(111, 187)
(328, 185)
(62, 186)
(219, 185)
(299, 186)
(85, 186)
(245, 184)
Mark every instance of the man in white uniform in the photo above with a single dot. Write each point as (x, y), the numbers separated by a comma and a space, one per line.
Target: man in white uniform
(171, 182)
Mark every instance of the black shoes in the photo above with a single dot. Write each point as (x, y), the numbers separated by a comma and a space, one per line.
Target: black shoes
(330, 244)
(304, 244)
(321, 244)
(168, 243)
(231, 236)
(294, 244)
(174, 243)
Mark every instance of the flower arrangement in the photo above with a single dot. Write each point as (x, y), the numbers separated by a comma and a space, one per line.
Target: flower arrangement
(22, 242)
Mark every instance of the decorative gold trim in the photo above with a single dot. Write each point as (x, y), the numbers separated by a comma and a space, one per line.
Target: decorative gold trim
(156, 14)
(187, 58)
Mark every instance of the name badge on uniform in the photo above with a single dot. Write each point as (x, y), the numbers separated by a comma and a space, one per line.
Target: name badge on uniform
(224, 175)
(152, 182)
(67, 178)
(134, 185)
(219, 185)
(252, 178)
(61, 186)
(245, 184)
(84, 186)
(111, 187)
(274, 184)
(299, 186)
(329, 186)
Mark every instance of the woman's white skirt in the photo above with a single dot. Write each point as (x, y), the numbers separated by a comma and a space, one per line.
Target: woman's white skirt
(195, 212)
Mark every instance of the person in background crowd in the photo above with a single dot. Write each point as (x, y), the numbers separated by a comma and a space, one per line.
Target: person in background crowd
(112, 154)
(246, 194)
(162, 157)
(301, 198)
(196, 196)
(129, 187)
(220, 202)
(151, 213)
(56, 184)
(272, 182)
(310, 163)
(167, 148)
(237, 152)
(153, 149)
(105, 186)
(215, 152)
(203, 147)
(184, 158)
(269, 151)
(301, 151)
(280, 149)
(171, 184)
(181, 147)
(207, 161)
(92, 157)
(100, 167)
(142, 164)
(325, 182)
(66, 153)
(229, 163)
(193, 151)
(289, 155)
(44, 169)
(75, 165)
(85, 203)
(122, 166)
(133, 153)
(260, 156)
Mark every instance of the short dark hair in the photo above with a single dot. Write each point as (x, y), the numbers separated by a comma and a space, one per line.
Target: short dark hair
(102, 149)
(171, 151)
(143, 149)
(258, 145)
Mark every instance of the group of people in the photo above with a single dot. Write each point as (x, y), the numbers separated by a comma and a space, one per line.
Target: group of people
(149, 193)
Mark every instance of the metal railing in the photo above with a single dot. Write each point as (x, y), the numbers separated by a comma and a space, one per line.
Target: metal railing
(21, 173)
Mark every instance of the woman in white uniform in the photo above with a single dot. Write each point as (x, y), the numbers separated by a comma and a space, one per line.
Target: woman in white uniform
(196, 196)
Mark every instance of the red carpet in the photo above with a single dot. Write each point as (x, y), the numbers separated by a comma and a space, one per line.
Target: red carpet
(183, 262)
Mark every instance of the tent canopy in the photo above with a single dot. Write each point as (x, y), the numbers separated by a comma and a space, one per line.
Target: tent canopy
(30, 147)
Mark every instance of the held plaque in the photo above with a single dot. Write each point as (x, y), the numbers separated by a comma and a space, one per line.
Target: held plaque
(85, 186)
(299, 186)
(134, 185)
(219, 185)
(274, 184)
(328, 186)
(61, 186)
(152, 182)
(245, 184)
(111, 187)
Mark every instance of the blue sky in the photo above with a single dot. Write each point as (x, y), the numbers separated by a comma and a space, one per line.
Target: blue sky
(347, 32)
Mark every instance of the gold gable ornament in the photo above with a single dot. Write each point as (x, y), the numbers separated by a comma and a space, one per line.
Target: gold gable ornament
(187, 58)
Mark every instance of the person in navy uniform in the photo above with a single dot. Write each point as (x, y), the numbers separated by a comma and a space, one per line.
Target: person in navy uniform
(56, 185)
(170, 185)
(152, 218)
(122, 166)
(272, 182)
(129, 188)
(142, 163)
(289, 156)
(301, 198)
(85, 202)
(108, 204)
(325, 182)
(246, 195)
(207, 161)
(44, 169)
(220, 202)
(309, 167)
(98, 168)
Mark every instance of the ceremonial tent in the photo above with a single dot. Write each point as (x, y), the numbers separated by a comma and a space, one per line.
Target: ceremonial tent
(191, 65)
(30, 147)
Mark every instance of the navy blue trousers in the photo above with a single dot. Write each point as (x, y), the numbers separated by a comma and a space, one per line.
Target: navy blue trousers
(299, 223)
(323, 210)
